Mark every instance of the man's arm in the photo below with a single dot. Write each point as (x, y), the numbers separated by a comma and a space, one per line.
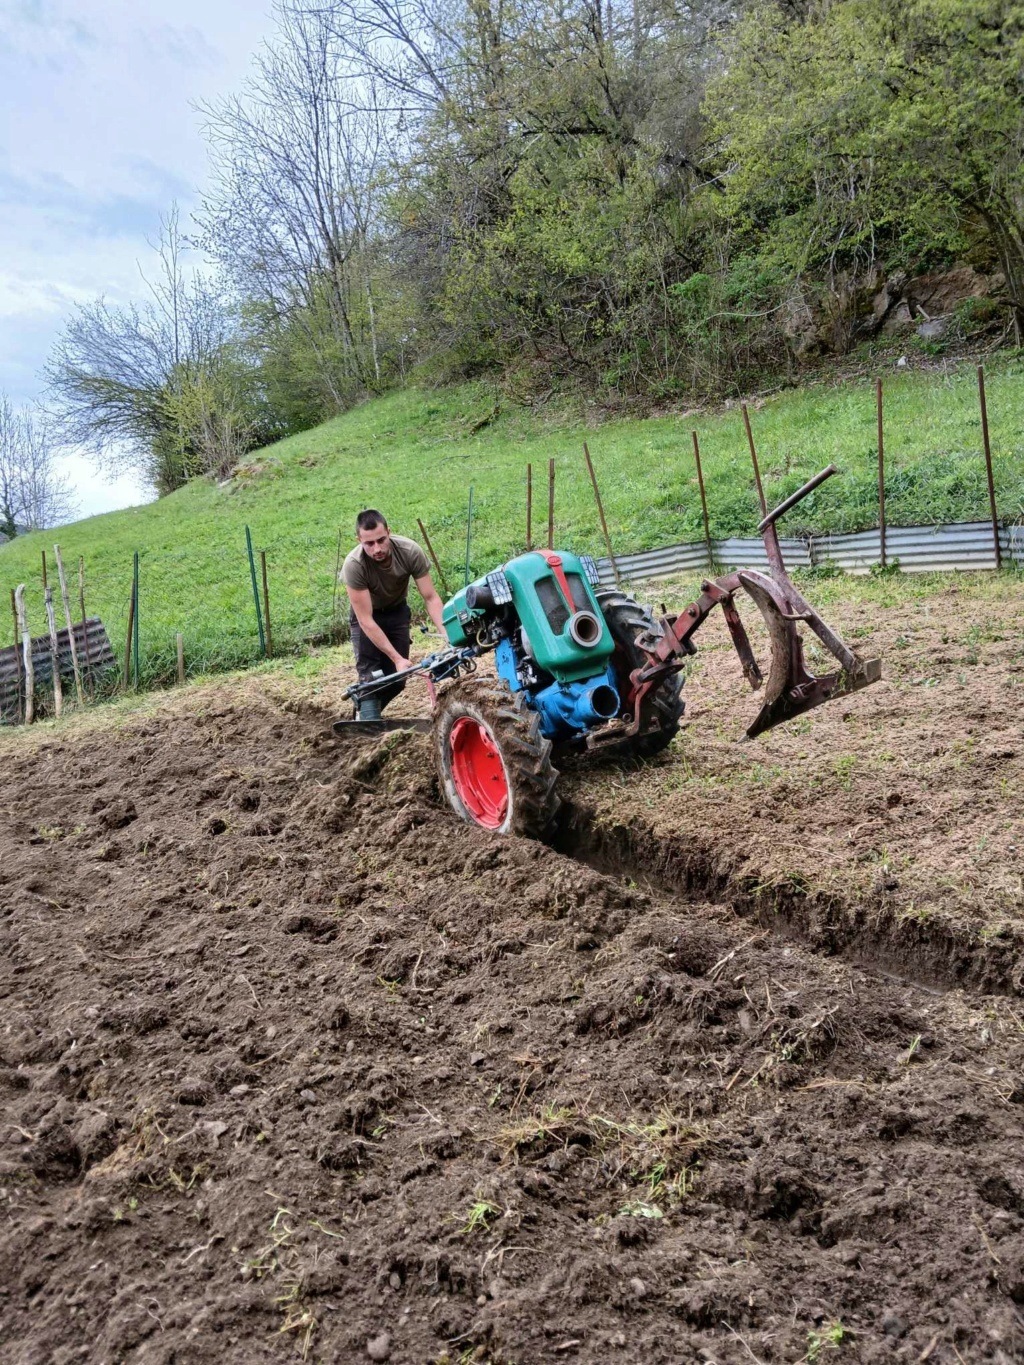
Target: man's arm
(432, 601)
(362, 605)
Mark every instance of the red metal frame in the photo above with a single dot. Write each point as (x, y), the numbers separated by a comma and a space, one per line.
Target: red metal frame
(791, 688)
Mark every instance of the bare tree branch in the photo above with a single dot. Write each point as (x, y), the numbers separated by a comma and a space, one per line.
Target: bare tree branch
(33, 494)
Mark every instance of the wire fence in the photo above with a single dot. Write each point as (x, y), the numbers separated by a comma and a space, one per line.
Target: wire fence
(964, 547)
(168, 611)
(162, 621)
(121, 655)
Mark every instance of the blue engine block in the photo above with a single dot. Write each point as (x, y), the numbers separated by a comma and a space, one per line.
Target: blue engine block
(565, 709)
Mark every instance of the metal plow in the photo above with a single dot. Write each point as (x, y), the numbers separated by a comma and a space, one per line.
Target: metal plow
(790, 688)
(384, 726)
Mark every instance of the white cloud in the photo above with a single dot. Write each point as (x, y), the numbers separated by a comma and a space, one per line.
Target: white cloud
(101, 137)
(96, 492)
(187, 46)
(44, 35)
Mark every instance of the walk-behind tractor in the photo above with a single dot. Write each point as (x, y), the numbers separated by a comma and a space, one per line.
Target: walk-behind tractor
(580, 667)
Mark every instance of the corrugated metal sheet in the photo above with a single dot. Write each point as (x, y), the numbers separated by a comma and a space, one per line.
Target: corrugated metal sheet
(1011, 541)
(690, 559)
(94, 653)
(919, 549)
(693, 559)
(751, 554)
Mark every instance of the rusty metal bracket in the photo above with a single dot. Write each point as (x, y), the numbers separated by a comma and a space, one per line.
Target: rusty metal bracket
(790, 688)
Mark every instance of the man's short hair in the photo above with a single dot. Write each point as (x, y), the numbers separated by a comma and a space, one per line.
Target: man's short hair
(370, 518)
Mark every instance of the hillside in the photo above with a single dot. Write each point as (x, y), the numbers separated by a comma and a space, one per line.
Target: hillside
(416, 452)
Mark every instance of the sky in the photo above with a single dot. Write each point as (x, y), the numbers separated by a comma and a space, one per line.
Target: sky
(98, 137)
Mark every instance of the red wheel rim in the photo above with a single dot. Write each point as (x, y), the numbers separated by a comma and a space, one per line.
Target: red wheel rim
(478, 773)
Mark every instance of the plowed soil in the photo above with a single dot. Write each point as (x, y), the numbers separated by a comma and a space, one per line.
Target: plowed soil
(292, 1065)
(888, 825)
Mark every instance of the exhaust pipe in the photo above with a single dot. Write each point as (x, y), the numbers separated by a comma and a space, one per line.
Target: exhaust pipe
(571, 708)
(585, 629)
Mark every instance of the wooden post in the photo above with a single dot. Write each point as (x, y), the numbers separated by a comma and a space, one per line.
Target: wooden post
(58, 690)
(881, 470)
(753, 456)
(600, 513)
(180, 647)
(130, 636)
(551, 504)
(433, 556)
(17, 657)
(334, 592)
(85, 630)
(66, 599)
(988, 467)
(529, 507)
(703, 501)
(26, 652)
(266, 604)
(43, 552)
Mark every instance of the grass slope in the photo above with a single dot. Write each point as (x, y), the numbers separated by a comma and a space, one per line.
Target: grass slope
(416, 452)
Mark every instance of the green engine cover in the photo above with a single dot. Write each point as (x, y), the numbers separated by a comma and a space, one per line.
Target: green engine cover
(548, 587)
(455, 615)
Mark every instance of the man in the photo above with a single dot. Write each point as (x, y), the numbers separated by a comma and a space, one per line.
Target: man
(376, 576)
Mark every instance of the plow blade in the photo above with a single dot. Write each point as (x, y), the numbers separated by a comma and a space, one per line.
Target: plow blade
(348, 728)
(790, 688)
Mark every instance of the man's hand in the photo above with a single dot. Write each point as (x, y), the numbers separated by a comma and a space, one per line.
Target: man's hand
(402, 664)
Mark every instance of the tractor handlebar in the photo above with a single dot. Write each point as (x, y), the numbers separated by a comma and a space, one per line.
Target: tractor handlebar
(794, 498)
(439, 666)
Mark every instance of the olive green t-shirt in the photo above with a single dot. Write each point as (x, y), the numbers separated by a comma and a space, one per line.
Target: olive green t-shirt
(387, 584)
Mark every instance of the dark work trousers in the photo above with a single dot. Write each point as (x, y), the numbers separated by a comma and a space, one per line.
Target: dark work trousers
(369, 660)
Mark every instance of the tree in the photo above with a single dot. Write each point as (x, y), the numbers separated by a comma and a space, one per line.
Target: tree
(219, 413)
(33, 494)
(540, 185)
(296, 162)
(876, 131)
(120, 375)
(465, 179)
(527, 136)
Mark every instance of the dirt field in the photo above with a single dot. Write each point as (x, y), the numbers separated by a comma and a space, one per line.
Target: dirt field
(889, 824)
(293, 1066)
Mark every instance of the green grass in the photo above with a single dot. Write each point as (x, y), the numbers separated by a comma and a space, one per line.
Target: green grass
(414, 453)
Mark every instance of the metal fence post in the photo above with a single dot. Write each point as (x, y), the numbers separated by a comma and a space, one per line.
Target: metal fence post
(469, 535)
(881, 469)
(255, 592)
(988, 467)
(135, 628)
(600, 513)
(703, 501)
(551, 504)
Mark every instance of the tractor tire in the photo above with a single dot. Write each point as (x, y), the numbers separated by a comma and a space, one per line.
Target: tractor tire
(493, 763)
(626, 620)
